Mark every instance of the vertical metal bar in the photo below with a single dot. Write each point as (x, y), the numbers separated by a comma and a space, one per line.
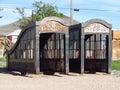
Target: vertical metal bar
(82, 50)
(37, 49)
(101, 55)
(95, 47)
(67, 51)
(109, 52)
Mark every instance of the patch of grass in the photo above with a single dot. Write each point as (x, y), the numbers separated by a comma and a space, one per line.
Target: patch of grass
(116, 65)
(3, 59)
(2, 62)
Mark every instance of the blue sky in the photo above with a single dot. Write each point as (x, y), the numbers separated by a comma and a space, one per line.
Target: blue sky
(112, 16)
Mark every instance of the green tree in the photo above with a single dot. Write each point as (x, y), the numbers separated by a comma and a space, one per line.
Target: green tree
(24, 21)
(41, 10)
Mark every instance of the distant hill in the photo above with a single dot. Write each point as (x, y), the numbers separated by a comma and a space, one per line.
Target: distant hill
(6, 29)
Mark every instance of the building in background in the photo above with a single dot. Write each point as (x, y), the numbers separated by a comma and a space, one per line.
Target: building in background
(14, 35)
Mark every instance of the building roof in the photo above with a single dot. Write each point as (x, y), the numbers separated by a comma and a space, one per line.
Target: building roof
(67, 19)
(15, 33)
(6, 29)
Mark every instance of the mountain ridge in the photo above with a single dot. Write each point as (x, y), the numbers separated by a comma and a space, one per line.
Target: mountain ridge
(6, 29)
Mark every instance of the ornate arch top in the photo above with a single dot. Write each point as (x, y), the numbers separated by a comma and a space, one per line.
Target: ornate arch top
(60, 20)
(52, 24)
(100, 21)
(96, 26)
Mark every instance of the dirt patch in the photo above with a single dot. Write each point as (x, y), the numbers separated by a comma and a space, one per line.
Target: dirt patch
(73, 81)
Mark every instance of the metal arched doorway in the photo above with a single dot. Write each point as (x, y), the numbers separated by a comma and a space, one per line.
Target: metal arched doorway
(96, 46)
(53, 46)
(52, 52)
(96, 52)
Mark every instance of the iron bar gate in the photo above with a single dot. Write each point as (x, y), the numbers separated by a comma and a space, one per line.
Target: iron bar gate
(52, 52)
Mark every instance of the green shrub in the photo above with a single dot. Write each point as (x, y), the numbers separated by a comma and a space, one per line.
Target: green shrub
(116, 65)
(2, 62)
(3, 59)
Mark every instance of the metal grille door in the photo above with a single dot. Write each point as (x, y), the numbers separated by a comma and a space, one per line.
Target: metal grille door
(95, 52)
(52, 52)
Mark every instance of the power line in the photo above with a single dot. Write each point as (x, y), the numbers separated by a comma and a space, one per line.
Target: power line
(74, 9)
(100, 10)
(86, 9)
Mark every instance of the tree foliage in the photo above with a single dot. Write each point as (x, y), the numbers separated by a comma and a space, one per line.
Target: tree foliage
(24, 21)
(41, 10)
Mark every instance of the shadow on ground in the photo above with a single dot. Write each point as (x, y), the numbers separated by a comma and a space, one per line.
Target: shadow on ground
(15, 73)
(5, 71)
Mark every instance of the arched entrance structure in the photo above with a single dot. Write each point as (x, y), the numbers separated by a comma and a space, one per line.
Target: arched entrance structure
(41, 47)
(50, 45)
(54, 45)
(90, 46)
(96, 46)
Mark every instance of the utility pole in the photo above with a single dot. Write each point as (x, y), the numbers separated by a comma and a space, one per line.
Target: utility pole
(71, 13)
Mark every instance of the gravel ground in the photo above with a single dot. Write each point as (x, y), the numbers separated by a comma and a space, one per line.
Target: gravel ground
(98, 81)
